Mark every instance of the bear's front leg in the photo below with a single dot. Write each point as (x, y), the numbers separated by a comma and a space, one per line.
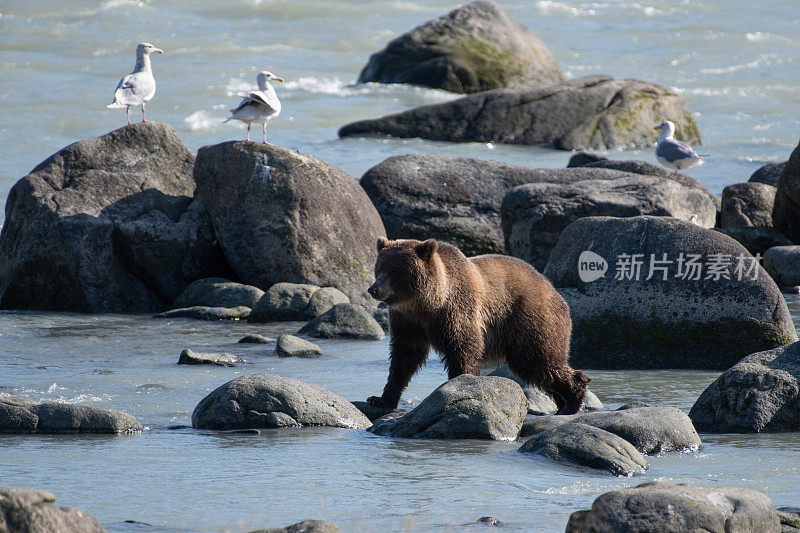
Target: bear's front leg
(462, 350)
(408, 352)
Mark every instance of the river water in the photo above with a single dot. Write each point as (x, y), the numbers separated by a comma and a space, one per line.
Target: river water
(735, 63)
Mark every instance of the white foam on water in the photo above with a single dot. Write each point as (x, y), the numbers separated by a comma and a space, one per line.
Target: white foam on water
(202, 120)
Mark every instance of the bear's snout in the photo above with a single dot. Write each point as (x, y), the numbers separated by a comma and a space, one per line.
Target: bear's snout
(379, 291)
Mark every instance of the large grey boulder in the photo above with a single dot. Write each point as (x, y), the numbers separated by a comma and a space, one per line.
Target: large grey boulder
(283, 216)
(583, 445)
(284, 301)
(620, 320)
(535, 214)
(668, 508)
(466, 407)
(760, 393)
(786, 213)
(107, 224)
(218, 292)
(25, 416)
(747, 204)
(32, 511)
(595, 112)
(267, 400)
(344, 321)
(473, 48)
(783, 264)
(769, 174)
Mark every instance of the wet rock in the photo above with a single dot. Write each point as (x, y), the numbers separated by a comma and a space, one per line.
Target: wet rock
(677, 322)
(783, 264)
(255, 338)
(291, 346)
(281, 216)
(247, 401)
(786, 214)
(760, 393)
(283, 301)
(32, 511)
(581, 159)
(747, 204)
(207, 313)
(583, 445)
(535, 214)
(473, 48)
(533, 425)
(664, 507)
(790, 519)
(107, 225)
(218, 292)
(769, 174)
(756, 239)
(539, 402)
(188, 357)
(489, 521)
(344, 321)
(372, 412)
(323, 301)
(595, 112)
(25, 416)
(466, 407)
(306, 526)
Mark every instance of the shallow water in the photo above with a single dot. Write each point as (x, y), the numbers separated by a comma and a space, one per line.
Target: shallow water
(735, 63)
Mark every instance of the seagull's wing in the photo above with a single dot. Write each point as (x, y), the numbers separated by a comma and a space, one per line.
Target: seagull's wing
(269, 99)
(245, 101)
(135, 88)
(673, 150)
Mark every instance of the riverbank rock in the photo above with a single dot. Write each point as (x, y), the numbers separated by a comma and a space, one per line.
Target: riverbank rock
(25, 416)
(255, 338)
(783, 264)
(761, 393)
(539, 402)
(306, 526)
(786, 214)
(747, 204)
(582, 445)
(665, 507)
(189, 357)
(207, 313)
(344, 321)
(620, 319)
(595, 112)
(267, 400)
(466, 407)
(769, 174)
(473, 48)
(218, 292)
(32, 511)
(107, 225)
(284, 301)
(756, 239)
(282, 216)
(534, 215)
(291, 346)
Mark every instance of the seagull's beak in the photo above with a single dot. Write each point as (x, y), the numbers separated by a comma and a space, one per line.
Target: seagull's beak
(159, 50)
(276, 78)
(657, 127)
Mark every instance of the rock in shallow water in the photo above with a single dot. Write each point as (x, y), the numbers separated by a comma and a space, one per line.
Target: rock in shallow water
(267, 400)
(583, 445)
(284, 301)
(32, 511)
(25, 416)
(188, 357)
(255, 338)
(466, 407)
(207, 313)
(670, 508)
(783, 264)
(344, 321)
(291, 346)
(306, 526)
(218, 292)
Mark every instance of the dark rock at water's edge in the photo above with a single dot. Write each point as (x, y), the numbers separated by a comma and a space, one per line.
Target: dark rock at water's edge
(473, 48)
(783, 264)
(32, 511)
(283, 216)
(760, 393)
(344, 321)
(666, 508)
(535, 214)
(674, 323)
(790, 519)
(189, 357)
(25, 416)
(747, 204)
(284, 301)
(291, 346)
(769, 174)
(595, 112)
(207, 313)
(107, 224)
(588, 446)
(267, 400)
(255, 338)
(466, 407)
(756, 239)
(218, 292)
(306, 526)
(786, 214)
(371, 411)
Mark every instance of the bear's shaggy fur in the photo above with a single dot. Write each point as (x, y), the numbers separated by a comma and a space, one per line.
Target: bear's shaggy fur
(484, 309)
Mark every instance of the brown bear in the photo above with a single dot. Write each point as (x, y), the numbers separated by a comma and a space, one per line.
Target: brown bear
(483, 309)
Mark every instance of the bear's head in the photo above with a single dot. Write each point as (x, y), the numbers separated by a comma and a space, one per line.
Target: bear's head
(405, 271)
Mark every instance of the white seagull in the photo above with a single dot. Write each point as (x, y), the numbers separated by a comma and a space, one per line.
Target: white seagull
(139, 86)
(674, 154)
(259, 106)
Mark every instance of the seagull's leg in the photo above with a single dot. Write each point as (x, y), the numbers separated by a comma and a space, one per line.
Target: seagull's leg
(128, 114)
(144, 118)
(248, 133)
(264, 126)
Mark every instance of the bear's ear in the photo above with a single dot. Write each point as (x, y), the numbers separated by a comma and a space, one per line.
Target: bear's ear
(383, 242)
(425, 250)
